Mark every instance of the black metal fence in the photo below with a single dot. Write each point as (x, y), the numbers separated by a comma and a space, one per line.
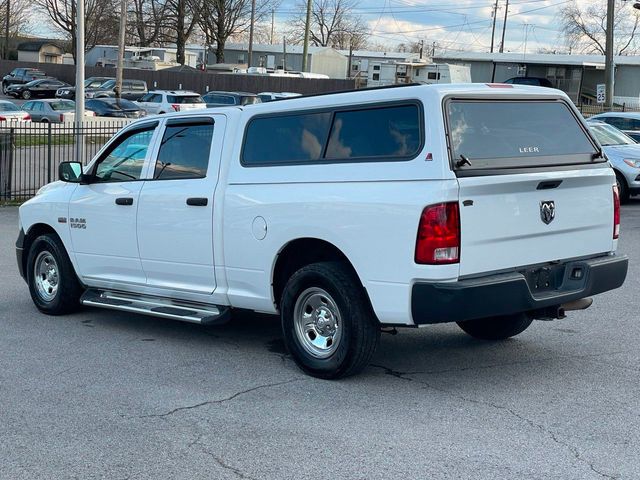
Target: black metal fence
(589, 110)
(31, 152)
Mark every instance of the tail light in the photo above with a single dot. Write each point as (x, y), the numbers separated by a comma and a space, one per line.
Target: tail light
(61, 118)
(2, 119)
(26, 117)
(616, 212)
(438, 239)
(176, 107)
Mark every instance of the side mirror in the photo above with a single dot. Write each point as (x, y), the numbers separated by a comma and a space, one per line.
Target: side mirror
(70, 172)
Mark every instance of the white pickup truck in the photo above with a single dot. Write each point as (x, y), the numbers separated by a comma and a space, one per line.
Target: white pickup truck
(482, 204)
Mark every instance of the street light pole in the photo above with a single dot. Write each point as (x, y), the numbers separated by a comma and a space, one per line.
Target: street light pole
(609, 70)
(253, 19)
(121, 48)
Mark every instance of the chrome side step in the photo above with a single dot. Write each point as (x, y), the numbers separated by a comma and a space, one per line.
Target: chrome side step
(155, 306)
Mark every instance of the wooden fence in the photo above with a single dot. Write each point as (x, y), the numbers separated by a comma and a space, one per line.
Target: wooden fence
(197, 81)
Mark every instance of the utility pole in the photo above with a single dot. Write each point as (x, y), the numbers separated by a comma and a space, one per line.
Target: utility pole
(121, 35)
(273, 12)
(609, 71)
(253, 19)
(433, 49)
(6, 31)
(493, 29)
(504, 25)
(350, 57)
(307, 26)
(284, 54)
(421, 48)
(79, 77)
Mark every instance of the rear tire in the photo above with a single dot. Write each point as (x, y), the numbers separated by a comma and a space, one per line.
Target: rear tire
(623, 188)
(496, 328)
(26, 94)
(53, 284)
(328, 324)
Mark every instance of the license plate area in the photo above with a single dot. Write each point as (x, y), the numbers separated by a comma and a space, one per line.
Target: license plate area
(544, 279)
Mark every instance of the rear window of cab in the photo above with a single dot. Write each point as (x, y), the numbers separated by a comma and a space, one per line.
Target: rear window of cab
(375, 133)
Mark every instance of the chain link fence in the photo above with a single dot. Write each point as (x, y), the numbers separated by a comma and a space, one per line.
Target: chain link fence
(31, 152)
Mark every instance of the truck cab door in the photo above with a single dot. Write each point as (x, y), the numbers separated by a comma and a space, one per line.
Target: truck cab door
(175, 211)
(103, 212)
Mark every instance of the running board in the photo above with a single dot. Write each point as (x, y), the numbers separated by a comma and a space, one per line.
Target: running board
(201, 313)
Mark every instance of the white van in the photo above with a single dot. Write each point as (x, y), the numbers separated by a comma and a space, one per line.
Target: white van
(485, 205)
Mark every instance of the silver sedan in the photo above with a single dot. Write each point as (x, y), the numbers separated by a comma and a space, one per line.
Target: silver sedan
(623, 154)
(51, 110)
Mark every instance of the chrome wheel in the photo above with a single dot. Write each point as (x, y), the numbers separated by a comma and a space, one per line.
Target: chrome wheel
(46, 276)
(318, 325)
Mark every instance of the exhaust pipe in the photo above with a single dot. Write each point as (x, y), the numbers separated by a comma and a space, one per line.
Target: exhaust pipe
(581, 304)
(558, 312)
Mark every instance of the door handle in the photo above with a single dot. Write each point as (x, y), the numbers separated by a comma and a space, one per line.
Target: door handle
(197, 202)
(124, 201)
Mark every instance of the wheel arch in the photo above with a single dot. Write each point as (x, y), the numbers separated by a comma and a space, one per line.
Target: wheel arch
(34, 231)
(300, 252)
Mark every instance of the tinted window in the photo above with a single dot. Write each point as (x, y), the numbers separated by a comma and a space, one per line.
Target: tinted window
(514, 130)
(183, 99)
(184, 151)
(618, 122)
(372, 133)
(286, 139)
(379, 132)
(634, 124)
(125, 159)
(220, 99)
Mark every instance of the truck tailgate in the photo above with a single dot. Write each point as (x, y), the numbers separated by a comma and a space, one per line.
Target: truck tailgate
(516, 220)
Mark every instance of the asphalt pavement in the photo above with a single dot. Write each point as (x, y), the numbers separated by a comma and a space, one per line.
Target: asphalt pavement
(103, 394)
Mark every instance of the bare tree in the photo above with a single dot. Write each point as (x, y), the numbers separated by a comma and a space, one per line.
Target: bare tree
(101, 23)
(224, 19)
(182, 18)
(19, 17)
(148, 25)
(333, 24)
(584, 27)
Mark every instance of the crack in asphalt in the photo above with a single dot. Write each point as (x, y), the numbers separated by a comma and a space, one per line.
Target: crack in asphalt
(239, 473)
(222, 400)
(574, 450)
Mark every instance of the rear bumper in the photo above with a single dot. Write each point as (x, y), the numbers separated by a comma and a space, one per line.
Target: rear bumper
(510, 293)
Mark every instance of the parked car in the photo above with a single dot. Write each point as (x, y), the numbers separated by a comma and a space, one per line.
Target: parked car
(535, 81)
(217, 99)
(91, 83)
(272, 96)
(53, 110)
(45, 87)
(20, 76)
(131, 90)
(112, 107)
(493, 207)
(165, 101)
(9, 112)
(623, 153)
(627, 122)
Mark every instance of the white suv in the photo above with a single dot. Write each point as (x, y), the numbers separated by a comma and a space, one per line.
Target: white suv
(165, 101)
(485, 205)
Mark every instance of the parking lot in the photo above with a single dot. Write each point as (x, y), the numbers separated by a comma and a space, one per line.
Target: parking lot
(103, 394)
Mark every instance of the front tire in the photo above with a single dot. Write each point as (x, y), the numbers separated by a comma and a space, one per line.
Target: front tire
(328, 324)
(26, 94)
(53, 283)
(496, 328)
